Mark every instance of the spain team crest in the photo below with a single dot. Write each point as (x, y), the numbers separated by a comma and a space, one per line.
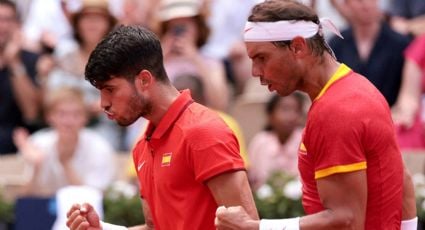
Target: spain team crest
(166, 159)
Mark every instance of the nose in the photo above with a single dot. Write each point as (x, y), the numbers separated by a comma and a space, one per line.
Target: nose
(105, 104)
(256, 70)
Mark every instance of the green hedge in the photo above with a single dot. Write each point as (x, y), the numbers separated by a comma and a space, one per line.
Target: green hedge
(280, 197)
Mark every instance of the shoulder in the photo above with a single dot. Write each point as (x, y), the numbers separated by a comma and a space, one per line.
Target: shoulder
(396, 38)
(203, 124)
(343, 102)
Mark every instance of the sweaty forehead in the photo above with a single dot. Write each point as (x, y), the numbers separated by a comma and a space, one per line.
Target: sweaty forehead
(254, 48)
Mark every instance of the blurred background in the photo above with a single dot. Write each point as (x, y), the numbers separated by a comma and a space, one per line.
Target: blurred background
(52, 130)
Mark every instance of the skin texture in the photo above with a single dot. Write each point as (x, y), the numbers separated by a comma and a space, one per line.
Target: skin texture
(125, 101)
(343, 195)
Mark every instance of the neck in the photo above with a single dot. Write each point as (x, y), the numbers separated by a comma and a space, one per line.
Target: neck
(284, 136)
(165, 95)
(317, 77)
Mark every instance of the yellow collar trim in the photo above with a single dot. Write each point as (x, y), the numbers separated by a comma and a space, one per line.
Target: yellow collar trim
(340, 72)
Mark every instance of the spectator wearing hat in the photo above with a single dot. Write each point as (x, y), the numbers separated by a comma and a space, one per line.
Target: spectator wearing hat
(90, 24)
(183, 31)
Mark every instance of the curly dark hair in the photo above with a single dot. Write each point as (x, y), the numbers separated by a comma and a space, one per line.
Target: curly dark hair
(124, 53)
(279, 10)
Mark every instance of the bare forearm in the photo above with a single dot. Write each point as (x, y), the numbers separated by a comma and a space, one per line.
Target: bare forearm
(30, 187)
(26, 94)
(328, 220)
(409, 201)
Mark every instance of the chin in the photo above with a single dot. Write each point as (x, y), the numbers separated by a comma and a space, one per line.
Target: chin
(125, 122)
(283, 93)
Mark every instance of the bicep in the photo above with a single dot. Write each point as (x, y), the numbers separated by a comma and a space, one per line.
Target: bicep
(232, 189)
(344, 197)
(345, 194)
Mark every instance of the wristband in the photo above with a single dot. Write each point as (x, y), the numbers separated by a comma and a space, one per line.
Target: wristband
(281, 224)
(411, 224)
(107, 226)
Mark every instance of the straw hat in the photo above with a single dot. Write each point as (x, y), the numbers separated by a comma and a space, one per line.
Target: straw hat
(170, 9)
(94, 7)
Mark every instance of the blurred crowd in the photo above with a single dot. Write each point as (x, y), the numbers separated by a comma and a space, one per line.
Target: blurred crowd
(52, 117)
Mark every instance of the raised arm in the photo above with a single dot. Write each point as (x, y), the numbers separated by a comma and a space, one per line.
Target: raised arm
(232, 189)
(344, 198)
(84, 217)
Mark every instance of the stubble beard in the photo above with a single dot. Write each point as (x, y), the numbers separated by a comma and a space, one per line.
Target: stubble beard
(138, 107)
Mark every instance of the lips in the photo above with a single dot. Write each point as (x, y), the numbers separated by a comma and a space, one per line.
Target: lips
(270, 87)
(109, 114)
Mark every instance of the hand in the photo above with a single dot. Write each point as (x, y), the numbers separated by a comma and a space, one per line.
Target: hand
(403, 118)
(30, 152)
(45, 65)
(83, 217)
(12, 49)
(234, 218)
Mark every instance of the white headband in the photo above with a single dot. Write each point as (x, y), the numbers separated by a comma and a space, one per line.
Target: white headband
(286, 30)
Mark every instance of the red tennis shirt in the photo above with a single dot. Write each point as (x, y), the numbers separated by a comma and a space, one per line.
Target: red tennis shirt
(349, 128)
(190, 145)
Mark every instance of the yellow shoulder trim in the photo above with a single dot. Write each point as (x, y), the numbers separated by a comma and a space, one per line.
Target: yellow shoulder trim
(340, 72)
(302, 147)
(340, 169)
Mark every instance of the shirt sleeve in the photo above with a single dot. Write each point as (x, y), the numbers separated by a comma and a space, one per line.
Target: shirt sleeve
(214, 152)
(335, 142)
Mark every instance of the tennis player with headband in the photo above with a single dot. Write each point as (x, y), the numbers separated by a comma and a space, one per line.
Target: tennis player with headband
(349, 160)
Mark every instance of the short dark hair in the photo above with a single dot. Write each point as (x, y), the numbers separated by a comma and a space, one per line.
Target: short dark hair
(124, 52)
(279, 10)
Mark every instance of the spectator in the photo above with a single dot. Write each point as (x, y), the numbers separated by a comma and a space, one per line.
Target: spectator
(19, 94)
(408, 110)
(66, 153)
(366, 47)
(90, 23)
(183, 31)
(408, 16)
(276, 147)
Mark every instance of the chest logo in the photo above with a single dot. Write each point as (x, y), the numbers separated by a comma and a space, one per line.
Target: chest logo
(166, 159)
(140, 165)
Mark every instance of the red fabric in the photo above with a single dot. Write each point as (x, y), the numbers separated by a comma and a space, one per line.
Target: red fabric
(190, 145)
(413, 138)
(415, 52)
(351, 123)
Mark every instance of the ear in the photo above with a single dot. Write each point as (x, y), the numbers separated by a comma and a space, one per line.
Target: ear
(299, 47)
(143, 80)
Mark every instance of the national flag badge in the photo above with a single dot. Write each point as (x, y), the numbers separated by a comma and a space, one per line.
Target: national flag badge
(166, 159)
